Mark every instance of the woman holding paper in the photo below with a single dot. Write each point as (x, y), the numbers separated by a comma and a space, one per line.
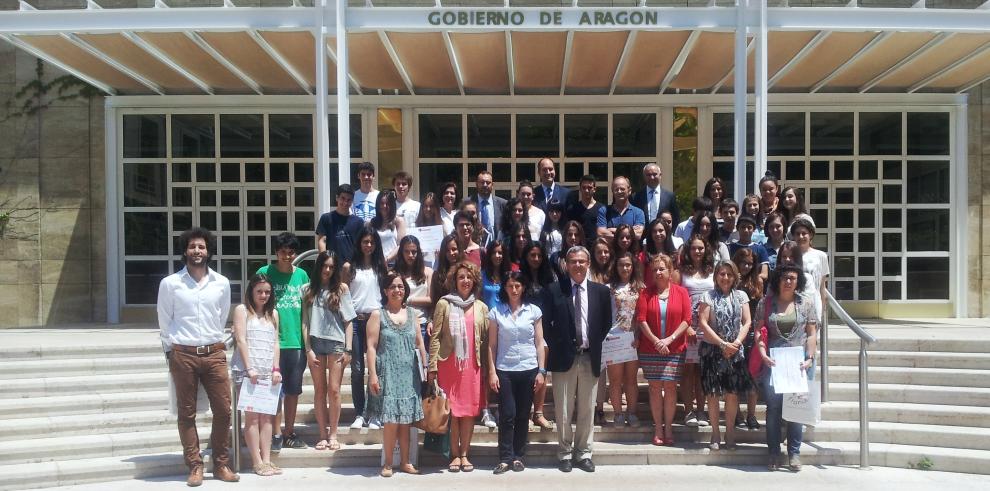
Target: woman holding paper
(790, 318)
(724, 317)
(256, 333)
(394, 340)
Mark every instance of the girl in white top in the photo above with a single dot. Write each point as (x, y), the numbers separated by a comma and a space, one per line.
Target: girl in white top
(814, 261)
(391, 228)
(368, 265)
(696, 267)
(790, 253)
(256, 358)
(792, 206)
(448, 206)
(418, 276)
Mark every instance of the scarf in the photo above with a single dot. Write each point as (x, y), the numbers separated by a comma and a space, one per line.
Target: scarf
(458, 326)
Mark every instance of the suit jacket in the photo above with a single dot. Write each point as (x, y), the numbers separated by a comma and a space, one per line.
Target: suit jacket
(668, 202)
(558, 324)
(497, 204)
(560, 193)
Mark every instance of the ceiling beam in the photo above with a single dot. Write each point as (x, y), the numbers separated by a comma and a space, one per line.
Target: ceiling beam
(879, 38)
(37, 53)
(453, 61)
(280, 60)
(630, 40)
(750, 47)
(798, 58)
(956, 64)
(396, 61)
(682, 57)
(109, 60)
(567, 60)
(510, 61)
(221, 59)
(931, 44)
(168, 61)
(332, 53)
(973, 84)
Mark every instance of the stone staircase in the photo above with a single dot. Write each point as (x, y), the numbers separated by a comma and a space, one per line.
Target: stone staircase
(93, 412)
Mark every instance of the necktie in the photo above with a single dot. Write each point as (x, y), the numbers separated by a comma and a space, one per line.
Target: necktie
(547, 193)
(485, 221)
(652, 205)
(578, 316)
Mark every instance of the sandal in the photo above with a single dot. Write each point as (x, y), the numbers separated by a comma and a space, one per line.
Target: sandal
(541, 421)
(455, 465)
(322, 444)
(386, 471)
(333, 444)
(408, 469)
(468, 467)
(264, 470)
(276, 469)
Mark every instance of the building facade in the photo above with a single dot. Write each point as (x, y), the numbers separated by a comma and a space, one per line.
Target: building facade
(896, 175)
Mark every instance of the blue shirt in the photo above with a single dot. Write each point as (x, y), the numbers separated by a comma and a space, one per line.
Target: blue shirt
(489, 292)
(758, 249)
(516, 337)
(609, 217)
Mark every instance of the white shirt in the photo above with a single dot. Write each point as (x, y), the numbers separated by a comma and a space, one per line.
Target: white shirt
(683, 230)
(652, 203)
(536, 219)
(190, 313)
(447, 220)
(581, 318)
(409, 211)
(364, 204)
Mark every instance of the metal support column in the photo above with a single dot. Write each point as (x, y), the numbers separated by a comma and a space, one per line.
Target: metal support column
(323, 204)
(760, 100)
(864, 408)
(739, 101)
(343, 99)
(235, 433)
(112, 187)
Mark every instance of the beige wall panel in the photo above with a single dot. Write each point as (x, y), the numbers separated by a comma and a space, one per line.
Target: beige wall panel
(482, 60)
(187, 54)
(298, 49)
(539, 59)
(132, 56)
(954, 48)
(245, 54)
(425, 58)
(80, 59)
(594, 58)
(831, 53)
(782, 46)
(971, 72)
(369, 62)
(708, 61)
(650, 58)
(880, 58)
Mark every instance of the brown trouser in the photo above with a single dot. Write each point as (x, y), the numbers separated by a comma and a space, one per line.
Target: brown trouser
(188, 371)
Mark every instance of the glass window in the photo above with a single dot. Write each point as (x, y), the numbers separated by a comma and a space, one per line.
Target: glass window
(928, 133)
(303, 172)
(141, 280)
(785, 133)
(489, 135)
(181, 172)
(144, 136)
(632, 171)
(927, 182)
(927, 278)
(181, 197)
(290, 135)
(928, 230)
(723, 134)
(145, 185)
(242, 135)
(354, 126)
(891, 290)
(634, 135)
(278, 172)
(868, 169)
(440, 135)
(146, 233)
(431, 176)
(537, 135)
(831, 133)
(193, 135)
(389, 124)
(879, 133)
(795, 171)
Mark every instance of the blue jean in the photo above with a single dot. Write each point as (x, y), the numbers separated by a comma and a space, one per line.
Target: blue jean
(515, 399)
(360, 347)
(775, 407)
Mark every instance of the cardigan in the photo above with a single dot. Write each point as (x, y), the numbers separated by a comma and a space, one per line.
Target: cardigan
(442, 343)
(678, 311)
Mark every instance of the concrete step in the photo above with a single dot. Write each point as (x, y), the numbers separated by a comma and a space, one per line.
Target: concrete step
(966, 361)
(960, 437)
(915, 394)
(93, 446)
(72, 367)
(85, 384)
(94, 403)
(916, 342)
(900, 412)
(96, 351)
(953, 377)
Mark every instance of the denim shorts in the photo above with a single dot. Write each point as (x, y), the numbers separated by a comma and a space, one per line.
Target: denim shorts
(292, 362)
(323, 347)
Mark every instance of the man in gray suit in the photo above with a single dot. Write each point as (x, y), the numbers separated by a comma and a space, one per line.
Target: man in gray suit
(489, 207)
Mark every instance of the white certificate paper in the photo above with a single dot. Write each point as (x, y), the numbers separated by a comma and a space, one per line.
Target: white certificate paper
(429, 240)
(786, 374)
(259, 398)
(617, 347)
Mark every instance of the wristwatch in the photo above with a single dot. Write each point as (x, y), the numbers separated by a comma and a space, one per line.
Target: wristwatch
(543, 371)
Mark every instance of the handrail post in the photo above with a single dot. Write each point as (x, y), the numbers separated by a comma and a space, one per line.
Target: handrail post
(864, 408)
(823, 366)
(235, 420)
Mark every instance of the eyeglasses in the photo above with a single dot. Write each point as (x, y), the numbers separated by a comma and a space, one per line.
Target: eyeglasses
(396, 287)
(789, 278)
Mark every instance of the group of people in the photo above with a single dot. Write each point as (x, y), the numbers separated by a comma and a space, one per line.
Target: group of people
(520, 290)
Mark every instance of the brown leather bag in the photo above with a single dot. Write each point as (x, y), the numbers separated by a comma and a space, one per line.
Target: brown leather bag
(436, 411)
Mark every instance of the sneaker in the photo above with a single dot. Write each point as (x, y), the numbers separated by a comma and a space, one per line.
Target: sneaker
(358, 423)
(488, 420)
(375, 424)
(703, 420)
(293, 441)
(794, 463)
(276, 443)
(632, 420)
(740, 422)
(690, 419)
(752, 424)
(620, 419)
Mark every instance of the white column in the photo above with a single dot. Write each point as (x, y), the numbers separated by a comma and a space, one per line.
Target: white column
(959, 292)
(112, 209)
(343, 99)
(760, 95)
(323, 203)
(739, 98)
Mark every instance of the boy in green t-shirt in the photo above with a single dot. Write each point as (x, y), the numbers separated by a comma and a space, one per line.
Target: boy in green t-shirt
(288, 282)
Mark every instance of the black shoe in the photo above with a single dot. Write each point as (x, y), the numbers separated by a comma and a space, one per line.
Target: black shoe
(517, 466)
(276, 443)
(502, 468)
(752, 423)
(293, 441)
(586, 465)
(565, 465)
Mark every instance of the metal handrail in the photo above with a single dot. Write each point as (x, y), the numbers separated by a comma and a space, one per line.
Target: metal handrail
(865, 339)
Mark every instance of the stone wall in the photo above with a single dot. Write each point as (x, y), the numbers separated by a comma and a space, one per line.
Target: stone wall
(979, 201)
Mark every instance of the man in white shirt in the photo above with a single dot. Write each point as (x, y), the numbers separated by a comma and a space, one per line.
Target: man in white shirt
(192, 313)
(536, 216)
(365, 198)
(683, 231)
(406, 207)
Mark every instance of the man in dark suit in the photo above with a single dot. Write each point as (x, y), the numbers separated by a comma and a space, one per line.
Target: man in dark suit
(548, 190)
(576, 319)
(489, 207)
(653, 199)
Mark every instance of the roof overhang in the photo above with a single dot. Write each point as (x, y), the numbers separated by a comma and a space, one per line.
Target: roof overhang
(506, 50)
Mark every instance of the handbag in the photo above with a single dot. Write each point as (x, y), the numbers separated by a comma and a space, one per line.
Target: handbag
(436, 411)
(755, 362)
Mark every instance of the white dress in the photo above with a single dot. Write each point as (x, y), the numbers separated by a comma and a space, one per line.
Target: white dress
(696, 288)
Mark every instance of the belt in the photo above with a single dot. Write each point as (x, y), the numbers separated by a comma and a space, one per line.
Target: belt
(581, 351)
(200, 350)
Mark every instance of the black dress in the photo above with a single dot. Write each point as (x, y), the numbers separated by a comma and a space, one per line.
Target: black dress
(720, 375)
